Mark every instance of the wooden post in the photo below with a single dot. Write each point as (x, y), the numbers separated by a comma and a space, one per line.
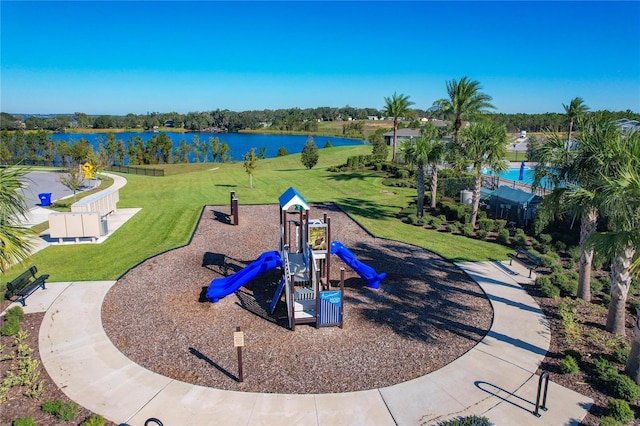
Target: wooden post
(234, 203)
(238, 342)
(232, 196)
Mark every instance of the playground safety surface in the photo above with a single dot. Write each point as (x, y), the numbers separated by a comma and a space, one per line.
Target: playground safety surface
(426, 313)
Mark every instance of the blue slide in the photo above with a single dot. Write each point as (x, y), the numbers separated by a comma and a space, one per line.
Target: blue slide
(221, 287)
(368, 274)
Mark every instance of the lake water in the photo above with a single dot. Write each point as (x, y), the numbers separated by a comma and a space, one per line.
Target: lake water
(239, 143)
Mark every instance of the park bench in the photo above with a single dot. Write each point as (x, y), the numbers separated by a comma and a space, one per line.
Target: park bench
(527, 259)
(25, 284)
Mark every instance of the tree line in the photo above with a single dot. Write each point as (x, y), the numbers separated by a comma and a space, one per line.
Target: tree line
(39, 148)
(291, 119)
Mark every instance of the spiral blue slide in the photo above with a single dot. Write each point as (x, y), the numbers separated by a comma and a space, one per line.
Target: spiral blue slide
(368, 274)
(221, 287)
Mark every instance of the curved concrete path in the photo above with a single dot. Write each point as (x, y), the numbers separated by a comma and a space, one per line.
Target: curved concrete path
(496, 379)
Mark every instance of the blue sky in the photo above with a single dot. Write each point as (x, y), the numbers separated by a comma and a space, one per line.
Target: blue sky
(119, 57)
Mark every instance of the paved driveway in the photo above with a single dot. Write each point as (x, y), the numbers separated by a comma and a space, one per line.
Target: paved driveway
(43, 182)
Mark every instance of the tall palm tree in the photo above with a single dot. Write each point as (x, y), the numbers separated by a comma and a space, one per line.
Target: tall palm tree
(618, 197)
(575, 109)
(483, 144)
(15, 242)
(437, 151)
(424, 151)
(465, 101)
(396, 106)
(575, 176)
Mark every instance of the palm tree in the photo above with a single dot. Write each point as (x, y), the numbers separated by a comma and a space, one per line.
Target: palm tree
(574, 110)
(425, 151)
(396, 106)
(465, 100)
(618, 196)
(575, 176)
(15, 243)
(483, 144)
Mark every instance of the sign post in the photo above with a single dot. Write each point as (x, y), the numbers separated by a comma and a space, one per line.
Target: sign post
(238, 342)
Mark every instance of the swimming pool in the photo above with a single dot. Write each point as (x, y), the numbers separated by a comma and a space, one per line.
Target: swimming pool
(513, 174)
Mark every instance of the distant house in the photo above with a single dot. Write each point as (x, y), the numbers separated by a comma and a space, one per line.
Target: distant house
(402, 135)
(409, 134)
(627, 125)
(168, 123)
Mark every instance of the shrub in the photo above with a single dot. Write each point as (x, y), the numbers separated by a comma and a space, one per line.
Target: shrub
(51, 407)
(560, 246)
(621, 354)
(95, 420)
(452, 227)
(548, 261)
(573, 353)
(568, 365)
(282, 152)
(499, 224)
(467, 230)
(596, 286)
(624, 387)
(610, 421)
(402, 174)
(63, 411)
(435, 222)
(24, 421)
(620, 411)
(574, 253)
(328, 144)
(467, 421)
(542, 280)
(481, 234)
(450, 210)
(486, 224)
(603, 369)
(442, 218)
(556, 269)
(549, 290)
(463, 213)
(503, 236)
(11, 327)
(545, 239)
(520, 239)
(15, 312)
(565, 283)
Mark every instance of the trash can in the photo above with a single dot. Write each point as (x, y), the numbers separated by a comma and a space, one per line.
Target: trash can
(45, 199)
(104, 229)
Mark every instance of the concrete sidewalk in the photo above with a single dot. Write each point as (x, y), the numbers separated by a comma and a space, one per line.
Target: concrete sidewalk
(496, 379)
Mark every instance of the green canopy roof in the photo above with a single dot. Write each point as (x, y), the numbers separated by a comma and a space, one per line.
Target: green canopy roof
(515, 196)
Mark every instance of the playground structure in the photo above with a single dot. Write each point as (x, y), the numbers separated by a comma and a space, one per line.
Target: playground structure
(303, 256)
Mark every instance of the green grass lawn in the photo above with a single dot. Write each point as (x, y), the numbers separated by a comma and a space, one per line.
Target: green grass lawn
(171, 206)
